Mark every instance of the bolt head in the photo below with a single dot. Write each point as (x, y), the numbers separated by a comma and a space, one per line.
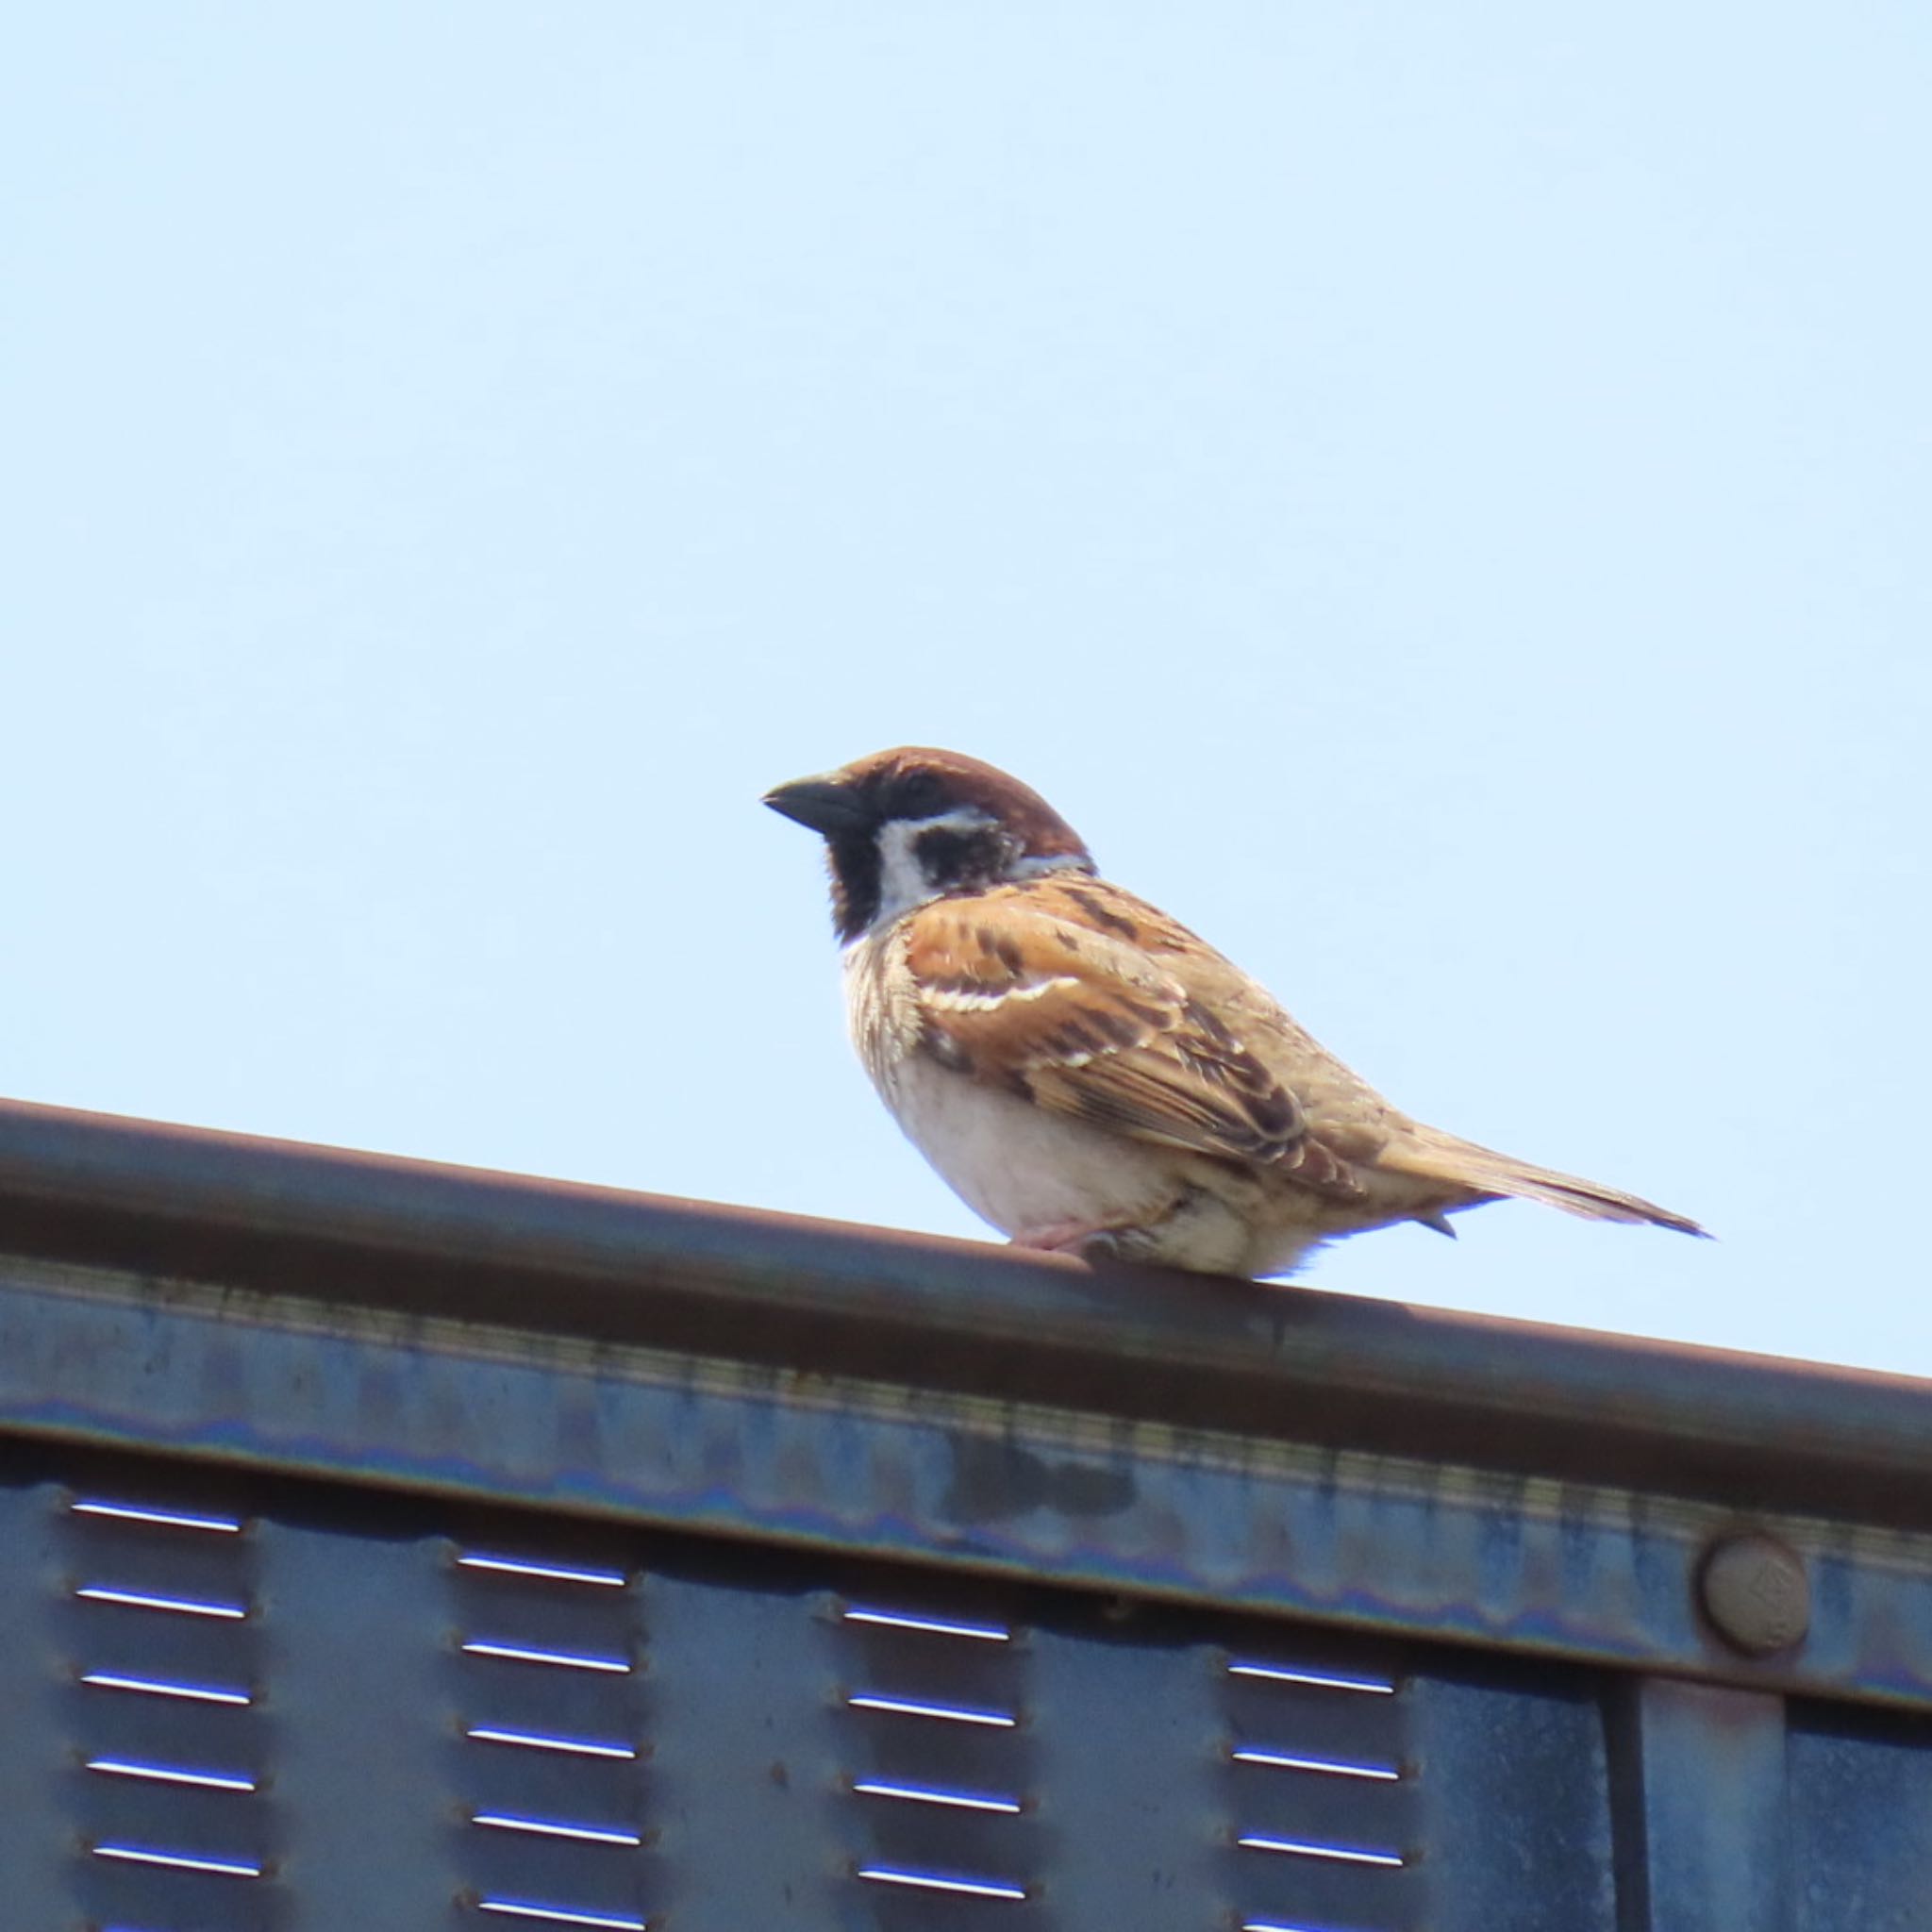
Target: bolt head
(1755, 1593)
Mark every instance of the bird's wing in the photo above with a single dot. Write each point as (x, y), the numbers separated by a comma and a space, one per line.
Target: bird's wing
(1065, 992)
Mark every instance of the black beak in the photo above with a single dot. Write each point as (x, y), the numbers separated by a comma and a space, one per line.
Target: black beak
(823, 805)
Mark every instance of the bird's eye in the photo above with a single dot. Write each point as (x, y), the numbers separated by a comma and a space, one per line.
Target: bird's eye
(919, 795)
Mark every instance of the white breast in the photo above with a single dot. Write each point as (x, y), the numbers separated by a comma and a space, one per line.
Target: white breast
(1011, 1161)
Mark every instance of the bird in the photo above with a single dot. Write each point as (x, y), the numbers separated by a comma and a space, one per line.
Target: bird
(1087, 1075)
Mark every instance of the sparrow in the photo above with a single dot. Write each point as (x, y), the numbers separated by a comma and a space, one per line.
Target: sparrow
(1087, 1075)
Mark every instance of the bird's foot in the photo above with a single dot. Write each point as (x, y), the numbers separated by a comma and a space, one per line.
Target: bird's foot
(1080, 1238)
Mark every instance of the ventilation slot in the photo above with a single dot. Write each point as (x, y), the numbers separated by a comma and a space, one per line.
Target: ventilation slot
(1322, 1798)
(940, 1748)
(551, 1665)
(170, 1760)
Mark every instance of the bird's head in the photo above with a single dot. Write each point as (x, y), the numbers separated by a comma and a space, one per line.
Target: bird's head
(910, 824)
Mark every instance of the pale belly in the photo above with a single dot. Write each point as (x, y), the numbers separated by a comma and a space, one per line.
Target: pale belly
(1020, 1167)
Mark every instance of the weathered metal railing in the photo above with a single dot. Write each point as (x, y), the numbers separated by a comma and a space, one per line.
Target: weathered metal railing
(389, 1546)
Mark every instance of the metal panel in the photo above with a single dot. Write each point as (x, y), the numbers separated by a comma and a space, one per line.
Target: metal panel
(35, 1777)
(1322, 1785)
(160, 1615)
(305, 1706)
(1514, 1774)
(1860, 1814)
(390, 1547)
(546, 1668)
(429, 1715)
(745, 1764)
(1134, 1739)
(1383, 1542)
(1704, 1838)
(360, 1725)
(939, 1744)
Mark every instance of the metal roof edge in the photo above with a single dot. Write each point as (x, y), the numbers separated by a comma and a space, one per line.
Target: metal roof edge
(1280, 1362)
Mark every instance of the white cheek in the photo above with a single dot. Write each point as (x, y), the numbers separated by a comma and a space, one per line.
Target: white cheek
(903, 883)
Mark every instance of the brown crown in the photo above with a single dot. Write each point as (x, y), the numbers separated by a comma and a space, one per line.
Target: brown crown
(915, 782)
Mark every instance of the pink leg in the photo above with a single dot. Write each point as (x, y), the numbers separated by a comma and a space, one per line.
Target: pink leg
(1080, 1238)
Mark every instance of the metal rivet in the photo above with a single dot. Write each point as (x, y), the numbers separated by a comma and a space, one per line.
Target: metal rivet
(1755, 1592)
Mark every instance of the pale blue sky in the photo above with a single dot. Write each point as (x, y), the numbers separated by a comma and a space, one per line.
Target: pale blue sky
(1439, 496)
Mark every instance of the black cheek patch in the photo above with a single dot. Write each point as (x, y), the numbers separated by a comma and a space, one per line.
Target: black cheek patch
(946, 856)
(951, 860)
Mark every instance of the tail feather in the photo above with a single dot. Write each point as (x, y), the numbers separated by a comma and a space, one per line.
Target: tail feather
(1431, 1155)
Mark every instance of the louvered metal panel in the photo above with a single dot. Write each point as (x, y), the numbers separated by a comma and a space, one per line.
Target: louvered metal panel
(397, 1550)
(247, 1708)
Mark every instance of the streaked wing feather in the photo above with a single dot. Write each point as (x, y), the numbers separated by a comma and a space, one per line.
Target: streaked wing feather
(1083, 1022)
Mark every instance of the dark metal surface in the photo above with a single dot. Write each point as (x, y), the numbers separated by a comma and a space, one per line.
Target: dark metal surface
(293, 1706)
(1859, 1815)
(410, 1237)
(1514, 1771)
(368, 1385)
(433, 1716)
(394, 1547)
(1398, 1545)
(1701, 1819)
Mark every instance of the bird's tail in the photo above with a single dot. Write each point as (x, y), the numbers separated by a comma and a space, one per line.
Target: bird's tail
(1432, 1155)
